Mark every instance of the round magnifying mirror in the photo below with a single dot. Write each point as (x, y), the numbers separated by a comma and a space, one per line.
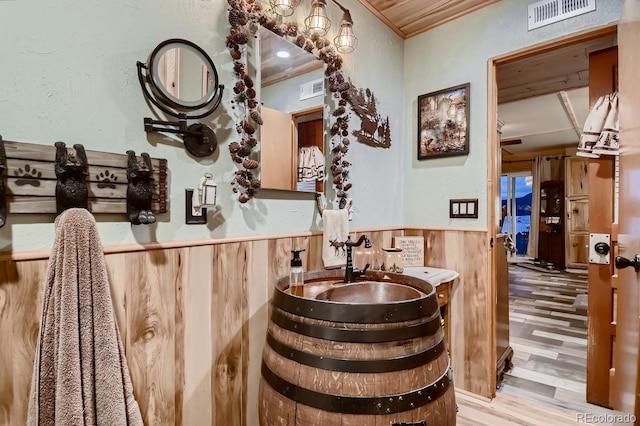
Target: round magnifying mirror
(182, 75)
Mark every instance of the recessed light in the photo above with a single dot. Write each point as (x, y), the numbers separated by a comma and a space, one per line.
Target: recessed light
(282, 54)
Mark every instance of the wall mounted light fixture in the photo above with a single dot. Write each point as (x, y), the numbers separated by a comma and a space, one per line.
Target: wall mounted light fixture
(284, 7)
(197, 200)
(345, 41)
(318, 22)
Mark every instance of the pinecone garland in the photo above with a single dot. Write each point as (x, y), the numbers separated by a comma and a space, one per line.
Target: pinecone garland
(255, 116)
(243, 152)
(234, 17)
(248, 128)
(248, 81)
(234, 147)
(250, 163)
(241, 37)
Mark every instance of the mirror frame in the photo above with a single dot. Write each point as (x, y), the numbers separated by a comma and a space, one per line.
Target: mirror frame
(275, 76)
(199, 139)
(245, 17)
(159, 88)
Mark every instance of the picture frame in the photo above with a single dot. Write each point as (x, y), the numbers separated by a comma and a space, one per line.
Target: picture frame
(443, 122)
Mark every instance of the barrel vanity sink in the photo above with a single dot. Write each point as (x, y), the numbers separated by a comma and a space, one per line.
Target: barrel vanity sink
(369, 292)
(370, 352)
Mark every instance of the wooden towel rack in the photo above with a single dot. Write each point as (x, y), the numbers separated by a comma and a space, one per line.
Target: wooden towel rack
(30, 180)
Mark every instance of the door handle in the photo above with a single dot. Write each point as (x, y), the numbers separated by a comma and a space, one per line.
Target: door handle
(623, 262)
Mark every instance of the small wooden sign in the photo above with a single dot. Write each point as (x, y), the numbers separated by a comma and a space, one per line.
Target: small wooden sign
(412, 250)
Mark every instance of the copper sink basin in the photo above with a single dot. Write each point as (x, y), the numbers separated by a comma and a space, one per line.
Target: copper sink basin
(369, 292)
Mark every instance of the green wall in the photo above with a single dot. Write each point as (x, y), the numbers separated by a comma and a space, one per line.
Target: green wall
(456, 53)
(69, 74)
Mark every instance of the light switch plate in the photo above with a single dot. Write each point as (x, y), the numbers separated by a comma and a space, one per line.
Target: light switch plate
(594, 256)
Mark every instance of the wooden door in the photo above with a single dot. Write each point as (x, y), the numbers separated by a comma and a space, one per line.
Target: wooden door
(624, 386)
(603, 72)
(277, 150)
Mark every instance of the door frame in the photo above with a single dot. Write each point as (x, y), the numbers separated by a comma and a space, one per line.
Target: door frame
(493, 143)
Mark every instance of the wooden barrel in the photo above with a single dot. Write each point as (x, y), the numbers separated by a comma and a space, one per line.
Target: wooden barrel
(328, 362)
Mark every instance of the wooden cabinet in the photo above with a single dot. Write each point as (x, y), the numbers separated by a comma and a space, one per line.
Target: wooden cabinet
(577, 212)
(551, 233)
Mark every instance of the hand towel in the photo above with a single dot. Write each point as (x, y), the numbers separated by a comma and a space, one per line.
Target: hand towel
(335, 232)
(600, 131)
(80, 374)
(310, 164)
(608, 142)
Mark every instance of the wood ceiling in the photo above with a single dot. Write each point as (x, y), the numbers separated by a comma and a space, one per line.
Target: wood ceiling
(411, 17)
(560, 68)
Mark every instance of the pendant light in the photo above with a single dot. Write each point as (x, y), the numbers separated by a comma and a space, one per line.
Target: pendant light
(318, 22)
(346, 41)
(284, 7)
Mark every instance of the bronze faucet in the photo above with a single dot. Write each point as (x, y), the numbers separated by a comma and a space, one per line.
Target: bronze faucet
(352, 273)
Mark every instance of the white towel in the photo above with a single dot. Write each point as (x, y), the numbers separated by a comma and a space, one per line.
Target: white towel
(336, 231)
(310, 164)
(608, 141)
(600, 132)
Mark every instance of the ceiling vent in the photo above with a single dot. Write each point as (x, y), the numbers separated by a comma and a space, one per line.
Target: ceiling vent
(546, 12)
(311, 89)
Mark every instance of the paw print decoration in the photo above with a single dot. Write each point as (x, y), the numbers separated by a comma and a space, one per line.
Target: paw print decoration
(106, 180)
(28, 175)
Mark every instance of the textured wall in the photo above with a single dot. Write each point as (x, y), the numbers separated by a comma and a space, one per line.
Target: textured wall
(69, 73)
(457, 53)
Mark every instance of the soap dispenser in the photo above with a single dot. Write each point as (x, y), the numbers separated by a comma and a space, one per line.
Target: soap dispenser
(296, 274)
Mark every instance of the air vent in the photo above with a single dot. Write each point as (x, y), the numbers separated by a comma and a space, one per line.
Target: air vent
(311, 89)
(546, 12)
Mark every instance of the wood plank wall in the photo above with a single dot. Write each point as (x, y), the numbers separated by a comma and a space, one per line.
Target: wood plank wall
(193, 321)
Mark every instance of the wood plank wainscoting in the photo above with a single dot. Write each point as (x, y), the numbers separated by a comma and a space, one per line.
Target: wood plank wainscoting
(193, 318)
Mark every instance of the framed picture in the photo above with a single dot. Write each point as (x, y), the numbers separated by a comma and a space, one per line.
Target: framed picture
(443, 123)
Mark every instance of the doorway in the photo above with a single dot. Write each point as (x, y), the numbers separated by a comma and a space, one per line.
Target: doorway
(558, 319)
(516, 196)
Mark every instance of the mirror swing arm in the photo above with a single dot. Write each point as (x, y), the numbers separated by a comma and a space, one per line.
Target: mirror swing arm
(199, 139)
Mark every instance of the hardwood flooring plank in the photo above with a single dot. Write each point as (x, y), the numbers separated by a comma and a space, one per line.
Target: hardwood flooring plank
(548, 335)
(562, 338)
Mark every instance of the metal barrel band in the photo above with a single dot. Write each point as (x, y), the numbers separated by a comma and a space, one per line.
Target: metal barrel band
(357, 365)
(364, 313)
(359, 335)
(388, 404)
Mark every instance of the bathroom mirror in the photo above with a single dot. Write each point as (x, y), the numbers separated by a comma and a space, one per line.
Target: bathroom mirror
(181, 80)
(293, 96)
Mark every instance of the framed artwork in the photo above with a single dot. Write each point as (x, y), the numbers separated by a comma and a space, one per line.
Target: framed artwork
(443, 123)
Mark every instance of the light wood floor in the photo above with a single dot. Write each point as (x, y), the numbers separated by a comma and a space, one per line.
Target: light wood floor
(506, 410)
(548, 336)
